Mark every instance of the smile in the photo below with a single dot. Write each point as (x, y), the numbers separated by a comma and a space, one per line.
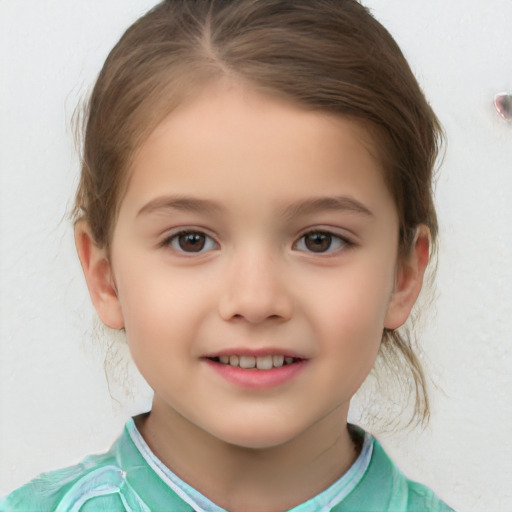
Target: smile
(260, 362)
(257, 371)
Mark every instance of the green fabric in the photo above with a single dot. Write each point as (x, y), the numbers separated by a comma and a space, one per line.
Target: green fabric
(385, 488)
(122, 480)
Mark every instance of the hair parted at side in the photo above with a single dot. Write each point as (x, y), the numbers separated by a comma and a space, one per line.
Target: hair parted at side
(327, 55)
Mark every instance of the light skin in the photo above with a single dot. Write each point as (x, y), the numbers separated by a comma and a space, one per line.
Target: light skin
(291, 247)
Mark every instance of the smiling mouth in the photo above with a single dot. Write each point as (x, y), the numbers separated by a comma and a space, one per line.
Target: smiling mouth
(251, 362)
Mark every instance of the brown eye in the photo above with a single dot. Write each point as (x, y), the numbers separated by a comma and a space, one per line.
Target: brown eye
(321, 242)
(318, 242)
(191, 242)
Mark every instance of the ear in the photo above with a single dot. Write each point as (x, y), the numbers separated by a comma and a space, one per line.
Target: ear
(409, 280)
(99, 277)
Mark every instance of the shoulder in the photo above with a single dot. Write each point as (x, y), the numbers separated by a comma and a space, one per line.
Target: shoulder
(420, 498)
(69, 488)
(120, 480)
(385, 488)
(406, 495)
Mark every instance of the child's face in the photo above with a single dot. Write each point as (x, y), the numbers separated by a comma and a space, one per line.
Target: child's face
(253, 228)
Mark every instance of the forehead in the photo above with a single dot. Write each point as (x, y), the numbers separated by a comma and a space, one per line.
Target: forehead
(231, 138)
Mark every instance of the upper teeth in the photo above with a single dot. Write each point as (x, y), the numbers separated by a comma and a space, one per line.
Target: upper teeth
(260, 362)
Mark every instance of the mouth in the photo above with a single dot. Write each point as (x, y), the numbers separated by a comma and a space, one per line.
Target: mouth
(247, 362)
(258, 369)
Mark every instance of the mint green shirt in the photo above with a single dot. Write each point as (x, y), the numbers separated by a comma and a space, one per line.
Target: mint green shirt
(130, 478)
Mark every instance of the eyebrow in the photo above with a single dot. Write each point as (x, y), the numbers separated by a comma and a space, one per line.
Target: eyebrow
(182, 203)
(299, 208)
(341, 203)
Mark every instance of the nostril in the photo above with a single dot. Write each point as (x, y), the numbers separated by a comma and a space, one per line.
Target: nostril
(253, 304)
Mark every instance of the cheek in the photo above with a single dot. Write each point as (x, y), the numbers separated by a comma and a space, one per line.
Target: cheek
(351, 343)
(355, 298)
(160, 322)
(159, 306)
(349, 311)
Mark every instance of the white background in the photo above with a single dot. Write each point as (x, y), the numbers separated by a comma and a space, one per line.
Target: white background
(55, 406)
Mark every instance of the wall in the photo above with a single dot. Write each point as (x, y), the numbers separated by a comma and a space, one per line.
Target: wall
(55, 405)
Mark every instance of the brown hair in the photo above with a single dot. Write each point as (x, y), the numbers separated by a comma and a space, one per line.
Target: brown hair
(327, 55)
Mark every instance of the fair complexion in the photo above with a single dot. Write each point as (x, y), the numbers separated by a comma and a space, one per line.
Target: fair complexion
(252, 227)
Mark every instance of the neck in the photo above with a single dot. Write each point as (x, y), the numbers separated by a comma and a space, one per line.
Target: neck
(247, 479)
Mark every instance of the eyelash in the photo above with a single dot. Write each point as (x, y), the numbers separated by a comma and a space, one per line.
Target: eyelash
(324, 236)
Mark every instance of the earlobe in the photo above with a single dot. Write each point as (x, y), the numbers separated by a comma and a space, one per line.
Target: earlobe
(409, 280)
(99, 277)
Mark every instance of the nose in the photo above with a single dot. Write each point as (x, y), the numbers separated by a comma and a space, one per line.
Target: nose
(255, 290)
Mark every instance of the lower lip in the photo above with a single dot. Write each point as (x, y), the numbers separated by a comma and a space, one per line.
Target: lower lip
(257, 379)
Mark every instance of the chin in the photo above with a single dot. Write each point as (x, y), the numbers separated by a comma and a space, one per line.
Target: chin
(257, 442)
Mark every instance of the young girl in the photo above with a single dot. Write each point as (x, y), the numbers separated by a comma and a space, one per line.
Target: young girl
(255, 212)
